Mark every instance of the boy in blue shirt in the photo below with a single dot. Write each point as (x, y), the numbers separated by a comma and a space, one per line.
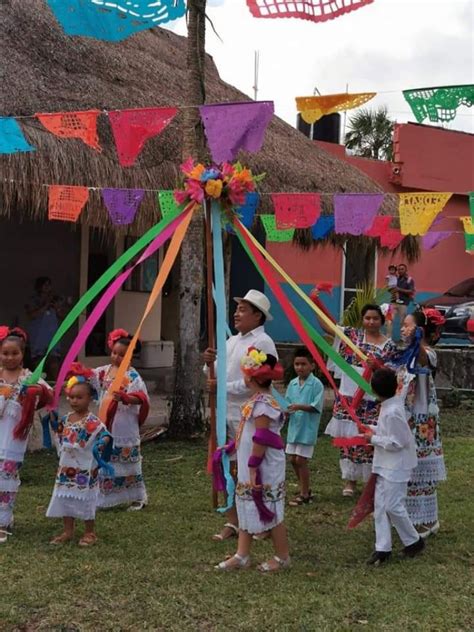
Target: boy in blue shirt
(305, 395)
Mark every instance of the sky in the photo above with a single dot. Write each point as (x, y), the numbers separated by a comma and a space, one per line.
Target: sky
(384, 47)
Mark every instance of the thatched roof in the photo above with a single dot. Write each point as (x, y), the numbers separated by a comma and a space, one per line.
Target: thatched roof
(46, 71)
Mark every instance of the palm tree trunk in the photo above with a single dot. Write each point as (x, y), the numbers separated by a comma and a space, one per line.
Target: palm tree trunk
(186, 413)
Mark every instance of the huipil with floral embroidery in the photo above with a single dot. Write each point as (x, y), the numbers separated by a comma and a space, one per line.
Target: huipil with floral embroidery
(127, 485)
(12, 451)
(272, 468)
(76, 488)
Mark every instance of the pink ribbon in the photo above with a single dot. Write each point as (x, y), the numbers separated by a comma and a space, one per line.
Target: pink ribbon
(102, 305)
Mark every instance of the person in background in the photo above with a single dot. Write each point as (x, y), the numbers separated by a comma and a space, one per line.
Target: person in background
(252, 311)
(405, 290)
(391, 281)
(44, 311)
(305, 394)
(356, 462)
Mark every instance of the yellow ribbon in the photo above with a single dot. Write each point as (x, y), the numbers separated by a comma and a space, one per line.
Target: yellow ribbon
(172, 253)
(335, 329)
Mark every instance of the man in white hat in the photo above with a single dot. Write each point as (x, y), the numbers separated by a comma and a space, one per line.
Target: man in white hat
(253, 310)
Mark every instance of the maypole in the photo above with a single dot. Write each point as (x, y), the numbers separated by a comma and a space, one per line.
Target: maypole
(186, 415)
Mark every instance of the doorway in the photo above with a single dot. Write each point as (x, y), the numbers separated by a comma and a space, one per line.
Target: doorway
(359, 266)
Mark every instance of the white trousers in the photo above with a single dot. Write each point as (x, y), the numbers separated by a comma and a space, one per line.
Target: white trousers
(390, 510)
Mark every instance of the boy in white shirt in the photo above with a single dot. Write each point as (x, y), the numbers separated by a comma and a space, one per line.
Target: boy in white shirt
(394, 460)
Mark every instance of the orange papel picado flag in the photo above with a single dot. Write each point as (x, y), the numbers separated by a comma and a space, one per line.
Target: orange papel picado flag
(81, 125)
(313, 108)
(419, 210)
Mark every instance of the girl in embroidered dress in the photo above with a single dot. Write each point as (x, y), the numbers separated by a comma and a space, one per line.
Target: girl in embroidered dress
(260, 491)
(126, 414)
(356, 462)
(83, 439)
(18, 401)
(422, 405)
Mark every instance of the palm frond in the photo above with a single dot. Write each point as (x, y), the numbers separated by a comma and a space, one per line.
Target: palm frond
(366, 293)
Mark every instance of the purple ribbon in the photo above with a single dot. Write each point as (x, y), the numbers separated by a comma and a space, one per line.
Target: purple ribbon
(218, 479)
(266, 437)
(254, 461)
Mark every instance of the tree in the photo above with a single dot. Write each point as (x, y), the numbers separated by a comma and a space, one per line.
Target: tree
(370, 134)
(186, 414)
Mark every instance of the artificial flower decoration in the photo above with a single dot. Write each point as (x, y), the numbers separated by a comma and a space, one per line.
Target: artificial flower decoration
(227, 183)
(252, 360)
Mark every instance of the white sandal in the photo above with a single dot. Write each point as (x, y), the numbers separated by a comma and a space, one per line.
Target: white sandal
(265, 567)
(218, 537)
(4, 535)
(242, 562)
(137, 506)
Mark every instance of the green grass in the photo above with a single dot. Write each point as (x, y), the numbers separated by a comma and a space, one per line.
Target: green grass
(154, 570)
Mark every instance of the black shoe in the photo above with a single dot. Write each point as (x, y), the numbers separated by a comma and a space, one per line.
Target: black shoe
(379, 557)
(414, 549)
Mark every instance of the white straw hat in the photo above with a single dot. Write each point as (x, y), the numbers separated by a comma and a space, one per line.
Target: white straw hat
(258, 300)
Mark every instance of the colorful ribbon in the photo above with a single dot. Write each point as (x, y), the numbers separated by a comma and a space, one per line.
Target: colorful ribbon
(336, 330)
(292, 315)
(165, 269)
(102, 305)
(98, 286)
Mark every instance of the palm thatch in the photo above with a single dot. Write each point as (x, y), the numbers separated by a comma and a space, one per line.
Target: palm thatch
(46, 71)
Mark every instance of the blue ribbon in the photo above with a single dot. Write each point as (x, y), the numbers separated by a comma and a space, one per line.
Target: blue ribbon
(409, 356)
(221, 326)
(46, 420)
(102, 451)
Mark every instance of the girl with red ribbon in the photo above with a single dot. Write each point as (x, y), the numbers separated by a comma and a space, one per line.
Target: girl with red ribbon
(18, 403)
(126, 413)
(260, 491)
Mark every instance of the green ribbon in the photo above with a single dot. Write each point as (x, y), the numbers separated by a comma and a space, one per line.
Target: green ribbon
(98, 286)
(322, 343)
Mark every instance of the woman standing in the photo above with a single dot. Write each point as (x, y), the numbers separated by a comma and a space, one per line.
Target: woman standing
(356, 462)
(422, 500)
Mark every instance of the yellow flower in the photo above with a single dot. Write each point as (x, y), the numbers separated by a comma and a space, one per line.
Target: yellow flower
(262, 357)
(214, 188)
(196, 173)
(72, 381)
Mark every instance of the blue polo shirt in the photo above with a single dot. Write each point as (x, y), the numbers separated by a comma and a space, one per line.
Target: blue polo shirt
(303, 426)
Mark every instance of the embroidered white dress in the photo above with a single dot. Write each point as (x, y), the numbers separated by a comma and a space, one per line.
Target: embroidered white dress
(12, 451)
(422, 405)
(76, 489)
(272, 468)
(127, 486)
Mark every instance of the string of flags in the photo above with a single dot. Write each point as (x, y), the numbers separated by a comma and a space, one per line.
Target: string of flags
(437, 104)
(354, 213)
(115, 20)
(229, 127)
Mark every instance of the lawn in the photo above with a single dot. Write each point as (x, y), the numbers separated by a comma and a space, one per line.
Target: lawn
(154, 570)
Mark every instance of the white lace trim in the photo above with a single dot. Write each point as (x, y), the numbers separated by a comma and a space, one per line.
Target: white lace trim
(125, 497)
(429, 470)
(423, 509)
(355, 471)
(339, 428)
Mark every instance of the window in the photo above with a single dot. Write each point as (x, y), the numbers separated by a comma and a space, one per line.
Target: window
(144, 275)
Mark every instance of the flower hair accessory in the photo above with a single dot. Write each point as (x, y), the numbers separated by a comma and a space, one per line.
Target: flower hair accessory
(115, 335)
(4, 330)
(253, 365)
(79, 374)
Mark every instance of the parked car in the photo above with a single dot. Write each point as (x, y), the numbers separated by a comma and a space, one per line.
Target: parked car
(457, 306)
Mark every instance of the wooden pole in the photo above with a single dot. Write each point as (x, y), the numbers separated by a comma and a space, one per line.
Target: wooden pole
(211, 339)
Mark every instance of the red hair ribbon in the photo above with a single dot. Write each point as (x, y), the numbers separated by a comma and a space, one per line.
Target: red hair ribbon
(115, 335)
(77, 369)
(15, 331)
(35, 397)
(265, 372)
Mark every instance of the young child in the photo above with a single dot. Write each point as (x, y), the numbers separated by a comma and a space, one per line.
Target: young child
(394, 460)
(391, 281)
(82, 439)
(260, 491)
(126, 414)
(305, 395)
(17, 405)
